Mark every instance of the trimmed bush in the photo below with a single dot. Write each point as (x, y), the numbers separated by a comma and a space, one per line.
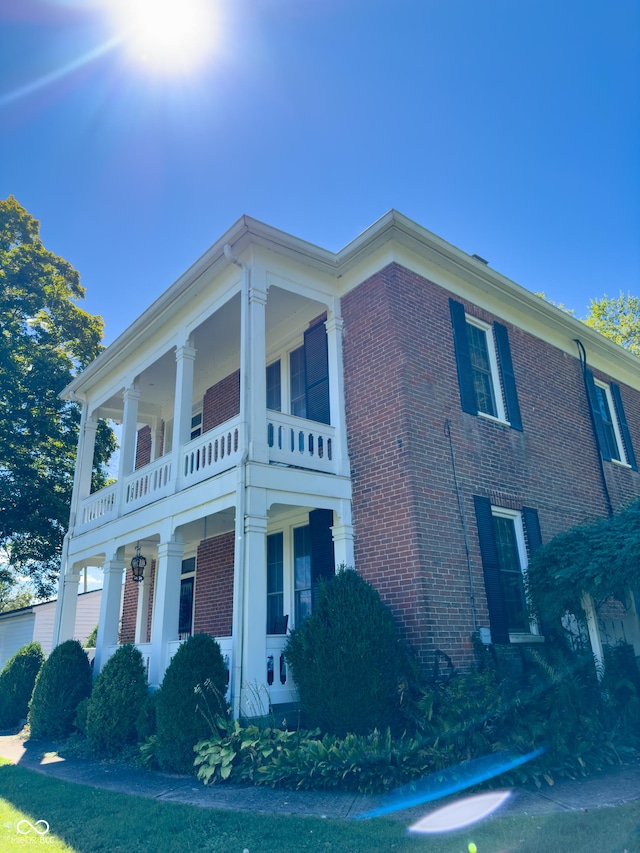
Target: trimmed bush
(16, 684)
(181, 711)
(348, 662)
(116, 701)
(63, 682)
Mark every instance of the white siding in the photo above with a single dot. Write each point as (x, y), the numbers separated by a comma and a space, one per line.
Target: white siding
(15, 632)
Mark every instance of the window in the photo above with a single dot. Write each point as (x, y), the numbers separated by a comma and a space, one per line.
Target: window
(275, 583)
(185, 619)
(302, 573)
(196, 425)
(610, 422)
(297, 383)
(485, 368)
(274, 395)
(501, 533)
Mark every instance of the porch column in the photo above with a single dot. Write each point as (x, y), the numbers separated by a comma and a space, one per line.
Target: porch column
(109, 620)
(166, 607)
(254, 701)
(254, 347)
(84, 464)
(342, 533)
(183, 403)
(66, 608)
(142, 610)
(334, 325)
(131, 398)
(594, 634)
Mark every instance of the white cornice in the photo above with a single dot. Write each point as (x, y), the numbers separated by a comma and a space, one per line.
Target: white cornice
(402, 238)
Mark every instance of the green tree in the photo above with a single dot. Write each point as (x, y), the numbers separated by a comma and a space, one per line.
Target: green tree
(618, 318)
(45, 339)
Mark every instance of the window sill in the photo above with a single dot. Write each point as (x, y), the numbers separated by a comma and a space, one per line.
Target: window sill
(493, 419)
(620, 463)
(525, 638)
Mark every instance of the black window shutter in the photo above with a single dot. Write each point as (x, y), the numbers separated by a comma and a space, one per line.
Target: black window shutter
(532, 526)
(498, 619)
(316, 360)
(624, 426)
(508, 376)
(463, 359)
(322, 554)
(597, 417)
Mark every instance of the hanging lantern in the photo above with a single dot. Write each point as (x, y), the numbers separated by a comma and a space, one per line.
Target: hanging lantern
(138, 564)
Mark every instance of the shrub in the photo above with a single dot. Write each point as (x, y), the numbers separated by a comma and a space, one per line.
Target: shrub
(63, 682)
(180, 710)
(116, 701)
(16, 684)
(348, 662)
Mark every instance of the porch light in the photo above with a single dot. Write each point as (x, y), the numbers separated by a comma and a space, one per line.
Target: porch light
(137, 565)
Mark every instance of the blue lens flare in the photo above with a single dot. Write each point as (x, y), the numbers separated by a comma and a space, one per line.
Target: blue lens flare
(450, 781)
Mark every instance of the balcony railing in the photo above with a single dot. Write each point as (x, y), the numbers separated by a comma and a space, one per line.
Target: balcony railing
(292, 441)
(296, 441)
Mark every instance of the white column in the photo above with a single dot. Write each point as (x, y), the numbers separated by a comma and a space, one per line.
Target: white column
(257, 368)
(66, 607)
(254, 647)
(131, 398)
(109, 620)
(334, 325)
(183, 403)
(342, 533)
(166, 607)
(84, 463)
(142, 611)
(594, 633)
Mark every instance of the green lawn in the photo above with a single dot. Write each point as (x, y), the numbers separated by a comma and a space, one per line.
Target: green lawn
(84, 820)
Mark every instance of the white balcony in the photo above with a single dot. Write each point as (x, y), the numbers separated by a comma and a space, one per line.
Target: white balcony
(292, 441)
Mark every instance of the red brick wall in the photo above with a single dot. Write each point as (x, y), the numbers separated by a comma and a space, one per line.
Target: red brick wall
(214, 586)
(130, 605)
(221, 402)
(143, 447)
(401, 389)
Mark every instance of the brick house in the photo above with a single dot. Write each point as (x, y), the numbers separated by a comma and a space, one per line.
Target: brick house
(398, 407)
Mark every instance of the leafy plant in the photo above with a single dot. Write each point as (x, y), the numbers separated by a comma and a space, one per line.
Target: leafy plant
(115, 702)
(63, 682)
(90, 642)
(351, 669)
(16, 684)
(181, 711)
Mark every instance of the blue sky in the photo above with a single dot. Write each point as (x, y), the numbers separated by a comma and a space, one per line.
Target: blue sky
(510, 128)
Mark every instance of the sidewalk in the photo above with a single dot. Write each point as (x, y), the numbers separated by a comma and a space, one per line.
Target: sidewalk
(612, 787)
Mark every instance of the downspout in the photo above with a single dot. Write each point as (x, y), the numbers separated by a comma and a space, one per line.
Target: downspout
(237, 624)
(582, 354)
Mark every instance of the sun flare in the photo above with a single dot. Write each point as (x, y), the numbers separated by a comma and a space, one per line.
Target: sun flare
(169, 35)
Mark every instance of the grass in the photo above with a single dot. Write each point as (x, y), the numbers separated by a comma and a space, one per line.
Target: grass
(89, 820)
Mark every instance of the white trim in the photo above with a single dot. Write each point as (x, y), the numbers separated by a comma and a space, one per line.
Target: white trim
(615, 421)
(501, 415)
(518, 524)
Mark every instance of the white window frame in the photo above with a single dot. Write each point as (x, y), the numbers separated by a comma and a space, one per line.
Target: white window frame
(283, 355)
(189, 556)
(516, 517)
(615, 423)
(501, 414)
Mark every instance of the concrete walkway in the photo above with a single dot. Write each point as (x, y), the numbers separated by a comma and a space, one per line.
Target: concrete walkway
(612, 787)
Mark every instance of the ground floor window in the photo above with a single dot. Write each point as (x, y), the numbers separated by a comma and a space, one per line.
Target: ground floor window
(275, 583)
(302, 572)
(187, 585)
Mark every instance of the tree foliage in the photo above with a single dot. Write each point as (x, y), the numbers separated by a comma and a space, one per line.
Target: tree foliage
(600, 559)
(618, 318)
(45, 339)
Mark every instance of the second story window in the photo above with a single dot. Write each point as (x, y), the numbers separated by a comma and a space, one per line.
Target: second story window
(610, 422)
(196, 425)
(274, 390)
(298, 383)
(485, 369)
